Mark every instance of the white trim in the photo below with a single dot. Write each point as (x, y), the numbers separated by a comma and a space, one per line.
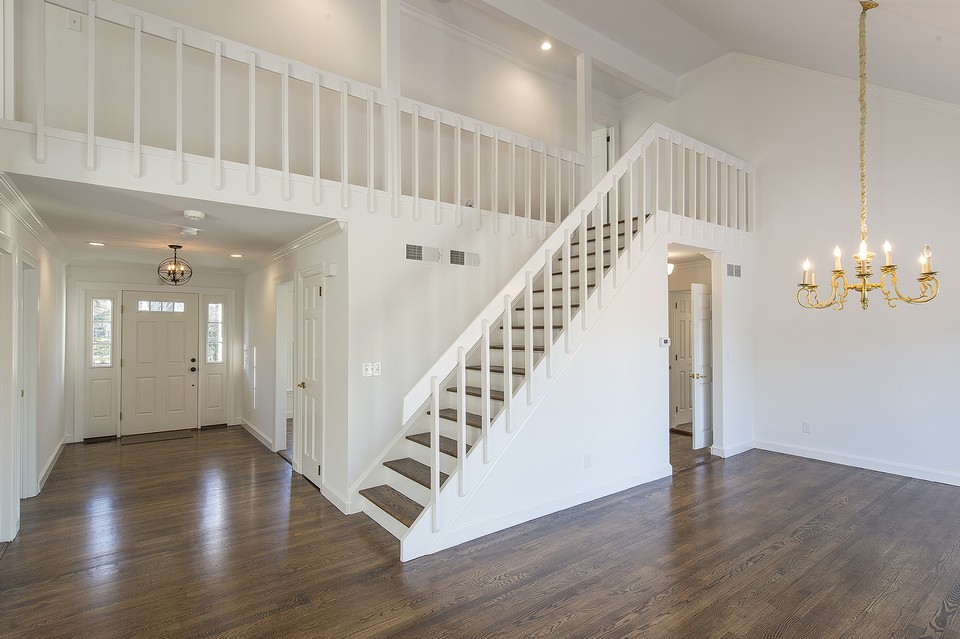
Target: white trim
(256, 432)
(48, 467)
(331, 229)
(7, 73)
(23, 212)
(472, 531)
(869, 463)
(730, 451)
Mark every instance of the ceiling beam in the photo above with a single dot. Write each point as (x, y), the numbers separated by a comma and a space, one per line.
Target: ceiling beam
(614, 57)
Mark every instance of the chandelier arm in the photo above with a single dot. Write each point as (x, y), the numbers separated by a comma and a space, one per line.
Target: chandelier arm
(808, 297)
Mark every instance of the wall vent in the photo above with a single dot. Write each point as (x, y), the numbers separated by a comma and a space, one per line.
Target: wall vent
(733, 270)
(464, 258)
(421, 253)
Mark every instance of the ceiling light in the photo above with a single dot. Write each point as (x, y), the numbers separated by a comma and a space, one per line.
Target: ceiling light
(175, 270)
(236, 255)
(839, 286)
(188, 230)
(547, 45)
(96, 243)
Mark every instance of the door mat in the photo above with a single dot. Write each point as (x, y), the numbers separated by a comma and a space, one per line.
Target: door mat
(156, 437)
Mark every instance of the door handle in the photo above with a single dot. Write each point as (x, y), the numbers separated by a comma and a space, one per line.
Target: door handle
(302, 385)
(697, 376)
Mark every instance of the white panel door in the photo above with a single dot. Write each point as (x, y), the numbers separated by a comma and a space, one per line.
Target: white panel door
(681, 359)
(158, 362)
(702, 366)
(310, 353)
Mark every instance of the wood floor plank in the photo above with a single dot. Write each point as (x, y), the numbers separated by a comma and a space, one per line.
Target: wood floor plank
(216, 537)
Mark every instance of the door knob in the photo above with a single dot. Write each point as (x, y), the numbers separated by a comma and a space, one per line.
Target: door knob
(697, 376)
(193, 360)
(302, 385)
(193, 369)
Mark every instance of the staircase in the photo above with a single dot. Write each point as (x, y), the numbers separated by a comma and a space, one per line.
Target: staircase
(465, 411)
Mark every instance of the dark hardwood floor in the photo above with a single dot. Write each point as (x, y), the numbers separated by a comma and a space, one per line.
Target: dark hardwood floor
(683, 456)
(215, 537)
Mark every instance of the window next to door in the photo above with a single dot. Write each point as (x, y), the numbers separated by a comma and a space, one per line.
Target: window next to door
(214, 333)
(101, 332)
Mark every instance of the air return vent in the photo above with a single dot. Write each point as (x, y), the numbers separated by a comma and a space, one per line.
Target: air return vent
(464, 258)
(733, 270)
(421, 253)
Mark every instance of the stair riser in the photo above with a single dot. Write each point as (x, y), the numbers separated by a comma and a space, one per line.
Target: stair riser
(557, 279)
(519, 319)
(474, 404)
(408, 487)
(518, 336)
(497, 358)
(575, 262)
(447, 428)
(423, 455)
(474, 378)
(539, 297)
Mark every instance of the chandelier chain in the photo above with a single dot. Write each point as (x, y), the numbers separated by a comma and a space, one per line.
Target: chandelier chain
(863, 121)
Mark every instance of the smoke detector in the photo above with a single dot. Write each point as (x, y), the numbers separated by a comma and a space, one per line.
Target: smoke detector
(196, 216)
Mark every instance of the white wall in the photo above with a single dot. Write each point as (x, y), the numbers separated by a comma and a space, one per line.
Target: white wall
(686, 274)
(799, 129)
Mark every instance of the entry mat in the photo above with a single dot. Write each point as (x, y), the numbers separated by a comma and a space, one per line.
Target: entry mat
(156, 437)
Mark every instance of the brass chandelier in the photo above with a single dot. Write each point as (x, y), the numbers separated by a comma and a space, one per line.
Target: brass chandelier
(807, 294)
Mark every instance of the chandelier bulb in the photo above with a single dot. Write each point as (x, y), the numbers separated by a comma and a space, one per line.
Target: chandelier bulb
(927, 253)
(862, 254)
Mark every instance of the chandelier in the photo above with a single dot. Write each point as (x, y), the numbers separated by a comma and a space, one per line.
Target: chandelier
(175, 270)
(840, 286)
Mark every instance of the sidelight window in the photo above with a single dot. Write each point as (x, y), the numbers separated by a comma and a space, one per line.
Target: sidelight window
(101, 332)
(215, 333)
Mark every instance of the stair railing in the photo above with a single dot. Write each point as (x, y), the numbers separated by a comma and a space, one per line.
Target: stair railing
(314, 153)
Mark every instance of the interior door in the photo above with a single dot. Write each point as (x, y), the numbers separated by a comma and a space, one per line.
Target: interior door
(310, 353)
(158, 362)
(681, 359)
(702, 366)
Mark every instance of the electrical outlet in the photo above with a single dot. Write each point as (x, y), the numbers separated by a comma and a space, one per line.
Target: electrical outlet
(74, 21)
(805, 427)
(367, 369)
(377, 369)
(587, 461)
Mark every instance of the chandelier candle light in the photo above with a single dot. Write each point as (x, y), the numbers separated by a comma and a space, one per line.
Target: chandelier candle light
(175, 270)
(929, 286)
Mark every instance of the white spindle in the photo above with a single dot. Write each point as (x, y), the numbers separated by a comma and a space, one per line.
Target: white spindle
(252, 124)
(631, 211)
(285, 131)
(485, 388)
(461, 417)
(416, 161)
(543, 194)
(556, 202)
(371, 153)
(91, 158)
(582, 261)
(344, 145)
(548, 311)
(138, 95)
(317, 180)
(615, 233)
(528, 344)
(396, 184)
(476, 174)
(437, 218)
(178, 169)
(218, 115)
(567, 290)
(571, 186)
(495, 183)
(739, 199)
(528, 188)
(435, 448)
(513, 185)
(458, 170)
(508, 359)
(656, 174)
(41, 153)
(598, 245)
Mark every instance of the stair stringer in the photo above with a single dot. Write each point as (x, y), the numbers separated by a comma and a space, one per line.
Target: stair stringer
(455, 504)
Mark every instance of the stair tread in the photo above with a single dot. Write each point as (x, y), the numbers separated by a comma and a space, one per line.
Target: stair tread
(558, 289)
(540, 308)
(450, 414)
(496, 369)
(394, 503)
(448, 446)
(413, 470)
(474, 391)
(518, 347)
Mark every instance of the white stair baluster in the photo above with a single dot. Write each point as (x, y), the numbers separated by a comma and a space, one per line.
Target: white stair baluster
(485, 389)
(461, 417)
(508, 359)
(435, 448)
(528, 345)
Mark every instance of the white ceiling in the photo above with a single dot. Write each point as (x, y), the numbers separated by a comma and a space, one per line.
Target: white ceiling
(137, 227)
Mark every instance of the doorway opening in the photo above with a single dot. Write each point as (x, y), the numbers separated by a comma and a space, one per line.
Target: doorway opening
(285, 332)
(27, 376)
(690, 277)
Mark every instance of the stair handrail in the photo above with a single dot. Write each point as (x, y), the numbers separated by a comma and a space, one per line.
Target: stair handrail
(415, 398)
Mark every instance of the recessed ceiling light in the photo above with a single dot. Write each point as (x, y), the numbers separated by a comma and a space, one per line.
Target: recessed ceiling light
(236, 255)
(547, 45)
(96, 243)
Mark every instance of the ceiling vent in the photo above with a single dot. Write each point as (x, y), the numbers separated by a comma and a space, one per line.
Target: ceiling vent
(421, 253)
(464, 258)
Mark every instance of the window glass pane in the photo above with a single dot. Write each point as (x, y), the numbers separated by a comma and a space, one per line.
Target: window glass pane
(156, 307)
(101, 354)
(143, 305)
(101, 331)
(168, 307)
(178, 307)
(214, 332)
(215, 312)
(102, 310)
(214, 353)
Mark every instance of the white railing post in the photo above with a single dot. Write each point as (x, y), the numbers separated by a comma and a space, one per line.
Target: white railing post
(91, 156)
(461, 417)
(528, 188)
(218, 115)
(252, 124)
(317, 122)
(598, 245)
(615, 233)
(41, 153)
(344, 145)
(476, 174)
(556, 202)
(415, 133)
(485, 389)
(508, 359)
(548, 311)
(582, 264)
(285, 132)
(178, 169)
(528, 345)
(458, 170)
(631, 210)
(435, 449)
(495, 182)
(138, 95)
(543, 193)
(437, 218)
(567, 291)
(513, 185)
(371, 153)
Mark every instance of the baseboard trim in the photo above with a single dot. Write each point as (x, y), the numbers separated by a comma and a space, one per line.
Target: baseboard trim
(730, 451)
(868, 463)
(48, 468)
(256, 432)
(497, 523)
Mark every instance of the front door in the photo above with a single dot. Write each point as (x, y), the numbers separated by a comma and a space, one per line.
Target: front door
(158, 362)
(310, 387)
(681, 359)
(702, 366)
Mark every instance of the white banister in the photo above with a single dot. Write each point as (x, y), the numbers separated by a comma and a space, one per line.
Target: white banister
(252, 124)
(548, 310)
(435, 449)
(528, 345)
(371, 153)
(495, 185)
(458, 171)
(631, 211)
(416, 162)
(344, 145)
(137, 96)
(485, 388)
(567, 291)
(528, 189)
(41, 153)
(317, 140)
(91, 156)
(218, 117)
(598, 245)
(437, 218)
(513, 185)
(543, 194)
(582, 270)
(508, 358)
(285, 133)
(178, 169)
(461, 417)
(476, 174)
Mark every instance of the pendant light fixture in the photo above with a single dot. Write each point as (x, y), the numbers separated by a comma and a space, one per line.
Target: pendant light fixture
(840, 287)
(175, 270)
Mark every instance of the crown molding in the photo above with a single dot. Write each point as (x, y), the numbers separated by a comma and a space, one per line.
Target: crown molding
(331, 229)
(14, 201)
